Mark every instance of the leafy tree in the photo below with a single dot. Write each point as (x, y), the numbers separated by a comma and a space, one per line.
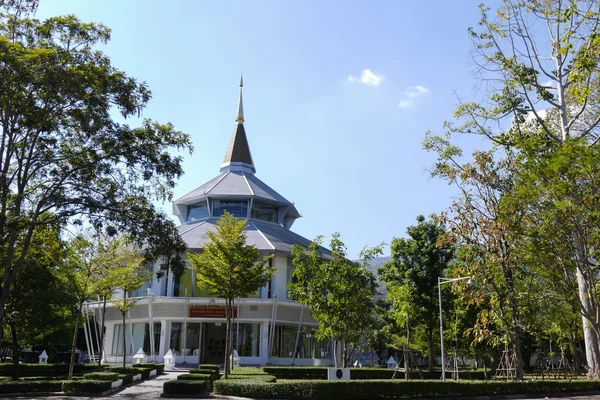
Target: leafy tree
(39, 306)
(128, 273)
(546, 75)
(339, 292)
(411, 277)
(84, 276)
(229, 268)
(61, 149)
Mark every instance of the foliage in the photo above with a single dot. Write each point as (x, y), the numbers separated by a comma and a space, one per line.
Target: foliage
(411, 277)
(338, 291)
(538, 64)
(195, 377)
(185, 387)
(86, 386)
(101, 376)
(62, 149)
(386, 389)
(229, 268)
(7, 387)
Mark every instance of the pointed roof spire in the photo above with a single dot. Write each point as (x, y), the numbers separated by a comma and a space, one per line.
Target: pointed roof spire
(240, 111)
(238, 156)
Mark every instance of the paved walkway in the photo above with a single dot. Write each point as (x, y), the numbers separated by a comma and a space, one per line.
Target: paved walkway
(148, 389)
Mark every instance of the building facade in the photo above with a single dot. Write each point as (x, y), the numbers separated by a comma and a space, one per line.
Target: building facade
(173, 313)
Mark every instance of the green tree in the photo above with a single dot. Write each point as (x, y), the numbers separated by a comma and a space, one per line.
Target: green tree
(127, 274)
(548, 76)
(339, 292)
(84, 276)
(39, 307)
(61, 148)
(411, 277)
(229, 268)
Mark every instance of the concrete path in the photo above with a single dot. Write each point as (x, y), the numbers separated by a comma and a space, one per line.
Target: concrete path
(148, 389)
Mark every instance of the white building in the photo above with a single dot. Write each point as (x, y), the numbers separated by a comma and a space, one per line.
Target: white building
(181, 317)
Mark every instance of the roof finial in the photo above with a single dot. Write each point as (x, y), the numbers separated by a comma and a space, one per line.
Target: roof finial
(240, 111)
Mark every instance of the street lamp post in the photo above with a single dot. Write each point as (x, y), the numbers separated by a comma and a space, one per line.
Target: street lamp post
(441, 281)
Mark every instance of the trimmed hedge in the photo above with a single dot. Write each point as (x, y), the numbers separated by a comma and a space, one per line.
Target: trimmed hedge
(85, 386)
(127, 378)
(315, 373)
(185, 387)
(256, 378)
(297, 372)
(145, 372)
(248, 371)
(102, 376)
(24, 369)
(378, 389)
(126, 370)
(211, 367)
(30, 386)
(160, 368)
(195, 377)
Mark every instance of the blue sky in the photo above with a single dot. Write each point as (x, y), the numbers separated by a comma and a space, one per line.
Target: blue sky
(337, 96)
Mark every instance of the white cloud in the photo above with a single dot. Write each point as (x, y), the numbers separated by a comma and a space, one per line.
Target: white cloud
(415, 91)
(405, 103)
(410, 94)
(367, 77)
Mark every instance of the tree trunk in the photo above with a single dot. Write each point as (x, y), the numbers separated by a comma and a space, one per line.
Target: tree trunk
(227, 343)
(516, 337)
(592, 351)
(15, 352)
(74, 345)
(335, 353)
(406, 364)
(101, 349)
(430, 350)
(124, 341)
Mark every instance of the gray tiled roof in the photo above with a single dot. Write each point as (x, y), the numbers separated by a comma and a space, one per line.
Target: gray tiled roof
(234, 184)
(265, 236)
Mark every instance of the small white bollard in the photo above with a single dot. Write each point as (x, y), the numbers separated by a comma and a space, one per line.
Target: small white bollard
(391, 363)
(43, 358)
(169, 360)
(139, 357)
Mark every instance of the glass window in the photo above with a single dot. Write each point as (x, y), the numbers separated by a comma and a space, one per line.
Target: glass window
(192, 338)
(308, 345)
(196, 213)
(141, 338)
(175, 342)
(183, 282)
(265, 212)
(142, 291)
(248, 344)
(238, 209)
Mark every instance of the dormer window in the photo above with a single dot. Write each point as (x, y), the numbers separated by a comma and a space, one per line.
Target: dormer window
(197, 212)
(238, 209)
(265, 212)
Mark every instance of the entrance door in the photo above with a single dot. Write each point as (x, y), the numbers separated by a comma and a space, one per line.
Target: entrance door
(213, 343)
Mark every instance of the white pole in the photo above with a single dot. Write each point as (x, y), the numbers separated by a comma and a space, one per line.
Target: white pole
(441, 330)
(237, 328)
(85, 331)
(184, 333)
(131, 333)
(151, 327)
(96, 329)
(297, 335)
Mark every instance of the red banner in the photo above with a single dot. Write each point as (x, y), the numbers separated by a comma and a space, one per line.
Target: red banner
(210, 312)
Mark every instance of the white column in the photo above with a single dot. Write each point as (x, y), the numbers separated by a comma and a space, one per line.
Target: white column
(280, 280)
(264, 342)
(164, 340)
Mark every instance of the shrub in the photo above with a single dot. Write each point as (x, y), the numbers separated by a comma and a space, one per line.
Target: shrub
(297, 372)
(378, 389)
(126, 370)
(212, 367)
(144, 371)
(127, 378)
(24, 369)
(101, 376)
(84, 386)
(160, 368)
(30, 386)
(195, 377)
(185, 387)
(256, 378)
(248, 371)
